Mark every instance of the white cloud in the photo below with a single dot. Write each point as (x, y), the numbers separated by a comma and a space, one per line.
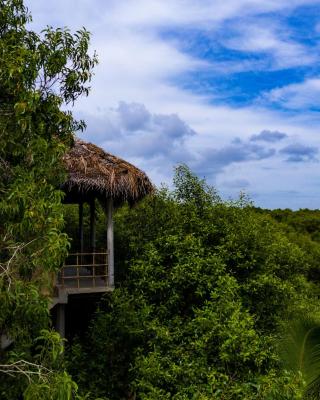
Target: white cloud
(298, 95)
(266, 36)
(141, 14)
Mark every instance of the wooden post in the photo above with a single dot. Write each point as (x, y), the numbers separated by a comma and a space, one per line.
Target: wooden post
(61, 320)
(92, 225)
(81, 225)
(110, 243)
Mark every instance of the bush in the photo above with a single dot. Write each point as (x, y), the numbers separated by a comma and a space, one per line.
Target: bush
(208, 283)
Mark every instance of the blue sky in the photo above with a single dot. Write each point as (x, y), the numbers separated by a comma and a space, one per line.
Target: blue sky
(229, 87)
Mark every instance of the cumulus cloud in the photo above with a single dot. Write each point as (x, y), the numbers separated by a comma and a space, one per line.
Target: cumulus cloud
(163, 140)
(133, 116)
(213, 161)
(157, 141)
(141, 133)
(268, 136)
(300, 153)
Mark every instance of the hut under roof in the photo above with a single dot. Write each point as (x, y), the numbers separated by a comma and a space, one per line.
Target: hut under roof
(94, 173)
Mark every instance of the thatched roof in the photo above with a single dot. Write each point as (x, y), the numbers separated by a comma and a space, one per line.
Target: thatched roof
(94, 173)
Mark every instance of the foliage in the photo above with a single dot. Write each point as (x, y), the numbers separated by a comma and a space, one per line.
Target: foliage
(45, 378)
(38, 75)
(302, 227)
(208, 284)
(301, 352)
(303, 221)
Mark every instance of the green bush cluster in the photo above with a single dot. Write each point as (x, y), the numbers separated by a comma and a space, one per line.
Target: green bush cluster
(208, 286)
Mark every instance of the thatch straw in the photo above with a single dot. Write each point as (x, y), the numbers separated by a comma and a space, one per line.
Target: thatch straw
(94, 173)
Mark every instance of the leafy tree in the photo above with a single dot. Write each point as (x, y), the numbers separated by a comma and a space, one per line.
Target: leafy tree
(38, 75)
(208, 285)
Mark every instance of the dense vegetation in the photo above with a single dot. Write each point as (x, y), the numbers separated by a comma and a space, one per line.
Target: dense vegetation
(215, 299)
(212, 288)
(303, 228)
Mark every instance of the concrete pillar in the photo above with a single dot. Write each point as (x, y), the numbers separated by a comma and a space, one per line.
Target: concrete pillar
(81, 225)
(61, 319)
(110, 243)
(92, 225)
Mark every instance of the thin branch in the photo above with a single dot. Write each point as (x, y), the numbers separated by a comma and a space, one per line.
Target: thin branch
(26, 368)
(6, 268)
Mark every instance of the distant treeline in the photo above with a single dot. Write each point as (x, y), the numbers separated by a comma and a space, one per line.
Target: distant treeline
(303, 221)
(303, 228)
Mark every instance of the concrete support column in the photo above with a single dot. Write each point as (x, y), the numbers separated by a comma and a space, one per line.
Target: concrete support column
(61, 319)
(93, 224)
(110, 242)
(81, 225)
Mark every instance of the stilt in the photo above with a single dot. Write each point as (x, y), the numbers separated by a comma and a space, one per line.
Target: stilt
(110, 243)
(92, 225)
(61, 320)
(81, 226)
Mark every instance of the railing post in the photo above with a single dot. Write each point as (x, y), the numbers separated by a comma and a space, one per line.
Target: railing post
(110, 242)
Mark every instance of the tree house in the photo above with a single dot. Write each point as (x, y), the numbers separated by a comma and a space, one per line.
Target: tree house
(94, 176)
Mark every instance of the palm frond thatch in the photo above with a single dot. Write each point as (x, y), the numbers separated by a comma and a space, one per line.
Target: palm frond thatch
(94, 172)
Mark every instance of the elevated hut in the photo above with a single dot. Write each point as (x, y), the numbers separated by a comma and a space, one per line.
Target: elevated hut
(95, 175)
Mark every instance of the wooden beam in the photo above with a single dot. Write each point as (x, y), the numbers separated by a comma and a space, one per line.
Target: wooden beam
(93, 224)
(110, 242)
(81, 225)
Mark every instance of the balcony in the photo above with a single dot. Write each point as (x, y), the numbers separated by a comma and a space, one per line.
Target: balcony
(85, 272)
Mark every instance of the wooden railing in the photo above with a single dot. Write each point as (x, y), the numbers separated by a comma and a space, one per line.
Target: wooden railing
(85, 271)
